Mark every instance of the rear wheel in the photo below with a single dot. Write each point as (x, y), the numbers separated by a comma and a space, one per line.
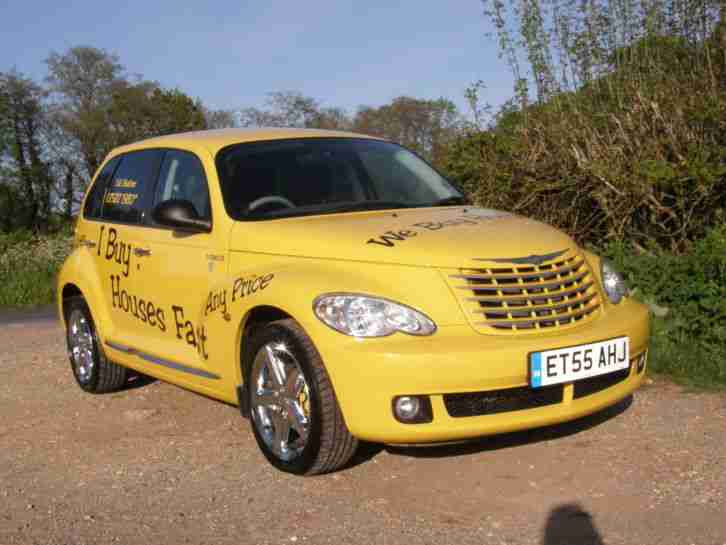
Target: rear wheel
(293, 410)
(93, 372)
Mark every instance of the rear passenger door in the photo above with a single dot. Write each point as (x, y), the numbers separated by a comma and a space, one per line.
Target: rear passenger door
(116, 212)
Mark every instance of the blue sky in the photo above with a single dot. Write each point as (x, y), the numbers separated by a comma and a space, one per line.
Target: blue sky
(343, 53)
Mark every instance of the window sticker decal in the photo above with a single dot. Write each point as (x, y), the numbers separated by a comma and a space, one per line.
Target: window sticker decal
(124, 199)
(125, 183)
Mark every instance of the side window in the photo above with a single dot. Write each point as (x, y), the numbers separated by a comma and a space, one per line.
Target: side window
(127, 196)
(94, 202)
(182, 177)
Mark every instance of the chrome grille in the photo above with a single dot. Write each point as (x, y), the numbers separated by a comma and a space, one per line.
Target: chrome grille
(553, 294)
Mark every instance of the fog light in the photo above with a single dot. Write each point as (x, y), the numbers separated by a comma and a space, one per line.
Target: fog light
(641, 361)
(412, 409)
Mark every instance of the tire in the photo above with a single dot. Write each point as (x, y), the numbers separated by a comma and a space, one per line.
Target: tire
(294, 413)
(93, 372)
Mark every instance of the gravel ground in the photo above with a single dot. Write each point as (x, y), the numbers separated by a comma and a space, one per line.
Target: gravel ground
(158, 464)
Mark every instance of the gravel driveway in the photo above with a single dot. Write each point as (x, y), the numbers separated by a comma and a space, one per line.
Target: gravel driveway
(158, 464)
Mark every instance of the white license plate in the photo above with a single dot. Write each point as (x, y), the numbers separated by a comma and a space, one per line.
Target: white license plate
(578, 362)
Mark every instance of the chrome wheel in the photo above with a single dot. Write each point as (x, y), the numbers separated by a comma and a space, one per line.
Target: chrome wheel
(280, 400)
(80, 346)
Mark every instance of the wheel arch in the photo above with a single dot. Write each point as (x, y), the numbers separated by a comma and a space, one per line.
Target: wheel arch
(68, 291)
(254, 318)
(80, 276)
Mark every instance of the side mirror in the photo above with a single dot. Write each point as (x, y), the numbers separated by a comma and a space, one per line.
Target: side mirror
(180, 214)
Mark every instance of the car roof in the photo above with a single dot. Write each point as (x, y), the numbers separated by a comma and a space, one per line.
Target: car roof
(216, 139)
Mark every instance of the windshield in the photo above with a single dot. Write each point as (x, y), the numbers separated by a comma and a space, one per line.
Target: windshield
(283, 178)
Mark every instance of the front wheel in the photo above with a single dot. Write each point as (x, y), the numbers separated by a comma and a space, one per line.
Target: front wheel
(295, 416)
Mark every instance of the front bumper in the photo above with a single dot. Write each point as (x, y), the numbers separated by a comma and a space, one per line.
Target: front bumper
(368, 373)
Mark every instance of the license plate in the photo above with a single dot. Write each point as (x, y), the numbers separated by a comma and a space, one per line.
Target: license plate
(578, 362)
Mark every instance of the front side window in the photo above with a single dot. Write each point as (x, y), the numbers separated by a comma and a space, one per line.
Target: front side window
(283, 178)
(126, 198)
(182, 177)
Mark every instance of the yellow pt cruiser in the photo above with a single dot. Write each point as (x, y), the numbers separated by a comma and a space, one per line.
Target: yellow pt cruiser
(337, 289)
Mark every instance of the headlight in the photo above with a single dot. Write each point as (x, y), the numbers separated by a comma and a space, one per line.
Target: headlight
(363, 316)
(613, 282)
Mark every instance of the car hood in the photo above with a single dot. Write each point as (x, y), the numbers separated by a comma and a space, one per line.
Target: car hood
(430, 237)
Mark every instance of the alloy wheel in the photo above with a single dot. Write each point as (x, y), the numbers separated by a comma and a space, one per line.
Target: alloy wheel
(280, 401)
(80, 345)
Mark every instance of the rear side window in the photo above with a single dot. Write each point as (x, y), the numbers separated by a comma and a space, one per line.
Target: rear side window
(94, 203)
(182, 177)
(127, 196)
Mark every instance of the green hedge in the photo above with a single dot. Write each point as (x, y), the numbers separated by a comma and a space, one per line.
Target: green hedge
(638, 154)
(28, 267)
(689, 341)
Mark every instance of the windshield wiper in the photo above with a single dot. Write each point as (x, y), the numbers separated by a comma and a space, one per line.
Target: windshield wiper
(367, 205)
(316, 209)
(449, 201)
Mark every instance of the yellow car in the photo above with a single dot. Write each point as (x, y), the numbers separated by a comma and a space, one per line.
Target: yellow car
(336, 288)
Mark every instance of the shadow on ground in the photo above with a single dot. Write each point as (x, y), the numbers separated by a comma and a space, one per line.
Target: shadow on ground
(570, 524)
(137, 380)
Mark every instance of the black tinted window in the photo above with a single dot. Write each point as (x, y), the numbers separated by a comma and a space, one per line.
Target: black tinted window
(126, 198)
(182, 177)
(94, 203)
(266, 180)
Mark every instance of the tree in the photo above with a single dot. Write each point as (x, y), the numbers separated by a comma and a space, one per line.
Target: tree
(426, 126)
(561, 45)
(98, 107)
(29, 173)
(53, 140)
(66, 166)
(220, 119)
(83, 81)
(174, 111)
(628, 145)
(293, 109)
(143, 110)
(5, 132)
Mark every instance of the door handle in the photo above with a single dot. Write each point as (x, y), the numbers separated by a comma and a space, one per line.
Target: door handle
(142, 252)
(86, 243)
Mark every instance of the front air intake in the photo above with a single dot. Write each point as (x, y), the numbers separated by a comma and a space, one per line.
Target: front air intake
(528, 297)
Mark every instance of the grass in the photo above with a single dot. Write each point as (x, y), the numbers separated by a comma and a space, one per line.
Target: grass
(28, 267)
(696, 364)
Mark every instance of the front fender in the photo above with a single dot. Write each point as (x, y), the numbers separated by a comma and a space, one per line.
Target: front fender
(292, 287)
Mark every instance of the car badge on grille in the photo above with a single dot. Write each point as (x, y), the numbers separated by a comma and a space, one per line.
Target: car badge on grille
(528, 260)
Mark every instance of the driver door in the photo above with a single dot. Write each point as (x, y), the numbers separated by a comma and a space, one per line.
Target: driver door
(180, 267)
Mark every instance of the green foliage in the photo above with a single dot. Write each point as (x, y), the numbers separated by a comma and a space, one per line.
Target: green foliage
(5, 126)
(638, 154)
(27, 179)
(293, 109)
(425, 126)
(28, 266)
(689, 343)
(53, 139)
(143, 110)
(557, 46)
